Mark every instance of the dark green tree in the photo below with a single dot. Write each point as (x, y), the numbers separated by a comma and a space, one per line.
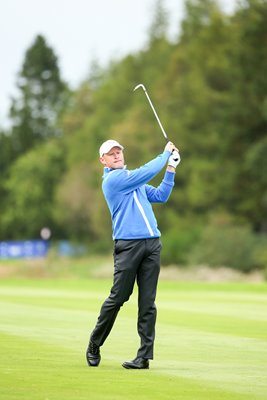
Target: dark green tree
(5, 159)
(41, 98)
(245, 148)
(5, 153)
(159, 24)
(30, 187)
(197, 17)
(197, 80)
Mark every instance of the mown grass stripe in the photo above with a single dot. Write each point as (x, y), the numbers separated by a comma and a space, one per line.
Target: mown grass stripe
(203, 349)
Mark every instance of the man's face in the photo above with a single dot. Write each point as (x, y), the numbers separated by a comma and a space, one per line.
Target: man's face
(113, 159)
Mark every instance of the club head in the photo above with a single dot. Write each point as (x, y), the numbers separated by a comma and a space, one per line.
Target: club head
(138, 86)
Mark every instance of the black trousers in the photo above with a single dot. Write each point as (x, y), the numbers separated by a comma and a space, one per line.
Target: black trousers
(133, 260)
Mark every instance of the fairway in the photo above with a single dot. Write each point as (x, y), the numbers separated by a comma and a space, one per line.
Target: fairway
(211, 342)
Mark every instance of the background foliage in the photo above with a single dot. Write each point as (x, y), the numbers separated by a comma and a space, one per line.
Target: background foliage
(210, 89)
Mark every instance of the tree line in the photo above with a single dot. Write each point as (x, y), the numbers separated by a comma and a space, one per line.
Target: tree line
(210, 90)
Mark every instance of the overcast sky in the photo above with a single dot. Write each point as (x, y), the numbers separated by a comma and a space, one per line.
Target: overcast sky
(79, 31)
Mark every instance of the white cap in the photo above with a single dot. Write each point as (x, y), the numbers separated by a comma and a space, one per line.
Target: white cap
(108, 145)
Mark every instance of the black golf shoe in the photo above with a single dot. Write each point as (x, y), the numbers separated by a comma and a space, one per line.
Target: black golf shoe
(93, 356)
(137, 363)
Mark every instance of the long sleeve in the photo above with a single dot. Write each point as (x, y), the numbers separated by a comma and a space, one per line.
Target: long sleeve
(163, 191)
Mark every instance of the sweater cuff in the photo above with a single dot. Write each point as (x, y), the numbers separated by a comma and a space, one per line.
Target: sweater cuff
(167, 153)
(169, 177)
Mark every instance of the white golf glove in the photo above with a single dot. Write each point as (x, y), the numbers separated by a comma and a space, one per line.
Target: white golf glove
(174, 159)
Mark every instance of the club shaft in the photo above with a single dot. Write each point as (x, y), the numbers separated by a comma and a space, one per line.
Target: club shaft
(156, 115)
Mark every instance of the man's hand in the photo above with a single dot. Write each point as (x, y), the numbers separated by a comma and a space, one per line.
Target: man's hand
(170, 147)
(174, 159)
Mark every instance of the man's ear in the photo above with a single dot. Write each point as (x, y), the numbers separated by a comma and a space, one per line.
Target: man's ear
(102, 160)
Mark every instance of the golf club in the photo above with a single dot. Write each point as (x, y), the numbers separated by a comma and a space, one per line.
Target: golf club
(156, 115)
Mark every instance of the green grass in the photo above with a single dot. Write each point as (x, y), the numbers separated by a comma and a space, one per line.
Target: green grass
(211, 342)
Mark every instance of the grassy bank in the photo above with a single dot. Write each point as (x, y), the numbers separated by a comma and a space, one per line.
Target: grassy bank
(101, 266)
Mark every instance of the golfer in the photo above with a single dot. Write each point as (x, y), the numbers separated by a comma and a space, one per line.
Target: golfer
(136, 245)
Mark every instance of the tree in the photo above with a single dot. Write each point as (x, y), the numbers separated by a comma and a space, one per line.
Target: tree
(42, 96)
(5, 159)
(159, 24)
(79, 206)
(30, 187)
(245, 149)
(197, 80)
(5, 153)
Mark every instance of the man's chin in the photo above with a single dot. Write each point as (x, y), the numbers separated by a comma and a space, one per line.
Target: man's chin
(118, 166)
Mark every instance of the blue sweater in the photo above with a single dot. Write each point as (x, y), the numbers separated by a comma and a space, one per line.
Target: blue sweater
(129, 198)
